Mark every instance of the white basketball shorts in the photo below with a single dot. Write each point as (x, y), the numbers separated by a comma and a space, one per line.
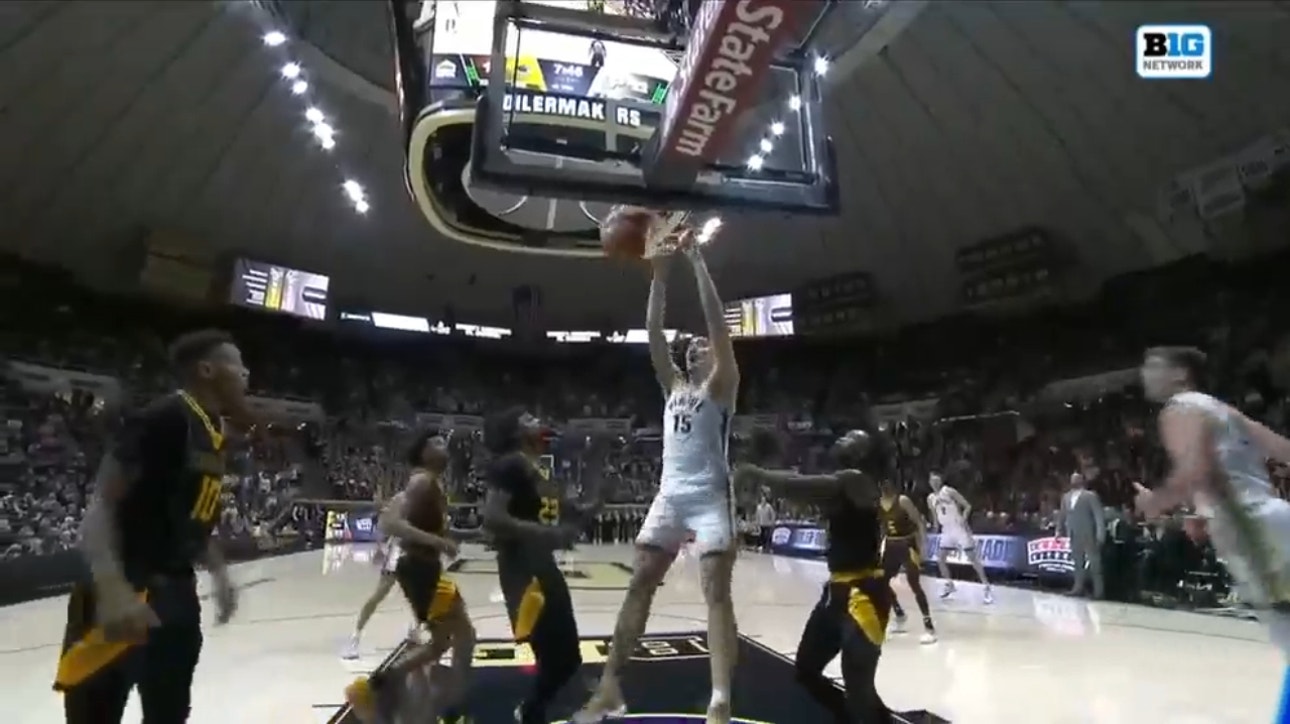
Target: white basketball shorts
(957, 537)
(1270, 596)
(706, 510)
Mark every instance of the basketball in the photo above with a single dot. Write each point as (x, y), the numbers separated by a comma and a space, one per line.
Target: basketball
(624, 231)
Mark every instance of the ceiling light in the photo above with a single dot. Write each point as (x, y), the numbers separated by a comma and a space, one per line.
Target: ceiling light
(324, 130)
(353, 190)
(327, 143)
(795, 103)
(756, 162)
(361, 206)
(777, 128)
(821, 65)
(291, 70)
(299, 87)
(313, 115)
(767, 146)
(274, 39)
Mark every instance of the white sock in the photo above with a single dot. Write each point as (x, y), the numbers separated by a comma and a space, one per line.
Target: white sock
(719, 697)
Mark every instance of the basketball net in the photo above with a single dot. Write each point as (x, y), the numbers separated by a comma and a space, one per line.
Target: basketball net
(665, 230)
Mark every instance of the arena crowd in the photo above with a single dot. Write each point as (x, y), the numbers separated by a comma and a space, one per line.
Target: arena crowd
(1007, 405)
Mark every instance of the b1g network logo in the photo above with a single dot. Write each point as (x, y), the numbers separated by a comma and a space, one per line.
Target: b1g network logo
(1173, 52)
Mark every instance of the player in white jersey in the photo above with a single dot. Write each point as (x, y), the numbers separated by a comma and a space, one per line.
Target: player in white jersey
(1219, 464)
(390, 552)
(694, 492)
(950, 510)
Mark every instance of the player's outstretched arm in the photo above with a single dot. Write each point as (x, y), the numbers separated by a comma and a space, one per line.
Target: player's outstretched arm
(786, 483)
(725, 370)
(659, 353)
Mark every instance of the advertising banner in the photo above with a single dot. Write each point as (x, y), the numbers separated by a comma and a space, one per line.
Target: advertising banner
(350, 527)
(1050, 556)
(1013, 554)
(996, 552)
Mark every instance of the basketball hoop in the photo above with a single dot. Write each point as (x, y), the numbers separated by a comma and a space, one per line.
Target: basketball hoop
(665, 230)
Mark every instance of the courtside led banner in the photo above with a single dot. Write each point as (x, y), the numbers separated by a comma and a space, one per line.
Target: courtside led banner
(1018, 554)
(351, 527)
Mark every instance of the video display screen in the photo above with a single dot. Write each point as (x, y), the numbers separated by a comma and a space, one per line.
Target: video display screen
(768, 316)
(260, 285)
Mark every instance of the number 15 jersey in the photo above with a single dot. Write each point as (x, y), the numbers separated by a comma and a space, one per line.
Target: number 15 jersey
(696, 435)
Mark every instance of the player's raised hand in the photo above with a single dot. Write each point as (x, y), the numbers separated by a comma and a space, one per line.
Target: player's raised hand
(688, 242)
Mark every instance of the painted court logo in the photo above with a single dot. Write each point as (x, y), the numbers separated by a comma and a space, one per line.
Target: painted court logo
(1174, 52)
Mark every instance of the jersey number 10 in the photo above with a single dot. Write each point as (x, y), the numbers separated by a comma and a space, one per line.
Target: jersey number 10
(207, 502)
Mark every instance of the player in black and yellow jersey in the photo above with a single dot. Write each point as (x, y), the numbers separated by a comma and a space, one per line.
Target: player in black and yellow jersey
(418, 518)
(136, 621)
(906, 536)
(528, 526)
(851, 616)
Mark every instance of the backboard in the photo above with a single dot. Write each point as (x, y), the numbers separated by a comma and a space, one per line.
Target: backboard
(554, 108)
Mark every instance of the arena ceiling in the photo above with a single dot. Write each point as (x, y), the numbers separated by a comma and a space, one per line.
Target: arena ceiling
(976, 119)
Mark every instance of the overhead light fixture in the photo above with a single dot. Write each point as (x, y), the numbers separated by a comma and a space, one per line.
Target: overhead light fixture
(323, 131)
(777, 128)
(767, 146)
(795, 103)
(755, 163)
(821, 65)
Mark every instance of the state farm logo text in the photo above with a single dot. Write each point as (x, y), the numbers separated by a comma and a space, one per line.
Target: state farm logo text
(730, 51)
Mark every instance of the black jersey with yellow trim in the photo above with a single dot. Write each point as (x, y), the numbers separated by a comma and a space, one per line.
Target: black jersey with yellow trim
(855, 533)
(896, 521)
(173, 450)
